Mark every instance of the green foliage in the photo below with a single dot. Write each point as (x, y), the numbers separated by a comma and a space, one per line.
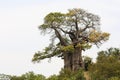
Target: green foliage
(53, 77)
(84, 45)
(107, 65)
(69, 75)
(64, 75)
(29, 76)
(17, 78)
(69, 48)
(54, 17)
(48, 52)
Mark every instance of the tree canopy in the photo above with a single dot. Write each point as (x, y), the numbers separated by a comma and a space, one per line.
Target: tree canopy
(71, 33)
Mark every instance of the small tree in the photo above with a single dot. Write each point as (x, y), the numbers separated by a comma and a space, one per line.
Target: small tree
(76, 30)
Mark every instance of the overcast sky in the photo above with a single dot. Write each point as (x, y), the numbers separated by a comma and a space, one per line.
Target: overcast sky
(20, 37)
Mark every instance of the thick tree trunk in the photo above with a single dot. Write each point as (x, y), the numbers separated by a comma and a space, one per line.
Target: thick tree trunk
(77, 59)
(68, 61)
(73, 61)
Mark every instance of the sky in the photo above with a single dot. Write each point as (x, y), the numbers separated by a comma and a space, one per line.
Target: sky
(20, 37)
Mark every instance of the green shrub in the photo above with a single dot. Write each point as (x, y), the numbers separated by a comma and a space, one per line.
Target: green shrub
(53, 77)
(69, 75)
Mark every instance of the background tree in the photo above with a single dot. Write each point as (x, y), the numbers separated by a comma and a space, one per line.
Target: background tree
(72, 33)
(107, 66)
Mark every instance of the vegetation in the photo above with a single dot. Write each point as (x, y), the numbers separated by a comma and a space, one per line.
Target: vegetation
(107, 66)
(29, 76)
(64, 75)
(77, 30)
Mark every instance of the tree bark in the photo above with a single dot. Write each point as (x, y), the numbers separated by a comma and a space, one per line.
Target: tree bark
(68, 61)
(73, 61)
(77, 62)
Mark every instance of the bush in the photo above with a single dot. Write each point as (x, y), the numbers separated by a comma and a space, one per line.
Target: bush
(69, 75)
(53, 77)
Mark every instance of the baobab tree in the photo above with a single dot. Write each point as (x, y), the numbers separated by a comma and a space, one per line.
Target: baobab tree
(72, 32)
